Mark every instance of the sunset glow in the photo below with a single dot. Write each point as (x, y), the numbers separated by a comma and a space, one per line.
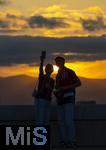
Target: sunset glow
(55, 68)
(93, 70)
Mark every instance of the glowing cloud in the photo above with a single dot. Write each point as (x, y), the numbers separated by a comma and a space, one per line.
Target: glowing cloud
(95, 70)
(55, 21)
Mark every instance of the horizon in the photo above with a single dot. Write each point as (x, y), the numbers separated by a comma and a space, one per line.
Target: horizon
(82, 69)
(22, 87)
(35, 77)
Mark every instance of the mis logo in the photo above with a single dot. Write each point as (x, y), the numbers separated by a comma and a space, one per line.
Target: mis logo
(25, 137)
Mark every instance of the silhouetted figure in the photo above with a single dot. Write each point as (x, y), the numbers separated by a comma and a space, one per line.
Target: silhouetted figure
(66, 82)
(43, 96)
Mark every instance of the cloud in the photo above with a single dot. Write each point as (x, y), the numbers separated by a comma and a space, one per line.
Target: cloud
(11, 16)
(4, 2)
(15, 16)
(40, 22)
(81, 56)
(11, 23)
(8, 31)
(26, 49)
(96, 10)
(93, 24)
(55, 21)
(18, 22)
(9, 27)
(4, 24)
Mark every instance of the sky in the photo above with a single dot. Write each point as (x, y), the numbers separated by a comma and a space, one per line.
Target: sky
(73, 29)
(52, 17)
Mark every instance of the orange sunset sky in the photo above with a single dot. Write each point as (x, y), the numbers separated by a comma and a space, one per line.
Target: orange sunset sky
(56, 19)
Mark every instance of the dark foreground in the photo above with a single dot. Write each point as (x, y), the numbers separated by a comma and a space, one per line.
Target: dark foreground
(90, 124)
(80, 148)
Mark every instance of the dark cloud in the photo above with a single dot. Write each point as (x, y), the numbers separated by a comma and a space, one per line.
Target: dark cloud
(82, 56)
(26, 49)
(6, 31)
(93, 24)
(4, 2)
(9, 25)
(13, 16)
(4, 24)
(40, 22)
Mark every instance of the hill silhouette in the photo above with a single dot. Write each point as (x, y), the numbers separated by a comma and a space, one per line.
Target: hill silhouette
(92, 89)
(17, 90)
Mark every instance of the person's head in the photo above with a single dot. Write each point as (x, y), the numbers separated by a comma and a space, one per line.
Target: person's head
(49, 69)
(60, 61)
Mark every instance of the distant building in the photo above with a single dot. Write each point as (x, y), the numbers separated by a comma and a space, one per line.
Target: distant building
(87, 102)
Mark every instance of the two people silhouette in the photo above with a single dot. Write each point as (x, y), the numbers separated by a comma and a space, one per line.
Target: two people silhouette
(64, 89)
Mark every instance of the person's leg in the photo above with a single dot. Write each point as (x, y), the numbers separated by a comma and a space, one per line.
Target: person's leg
(47, 112)
(70, 122)
(36, 103)
(61, 122)
(42, 112)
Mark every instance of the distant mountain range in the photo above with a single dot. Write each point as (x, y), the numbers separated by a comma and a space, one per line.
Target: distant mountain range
(17, 90)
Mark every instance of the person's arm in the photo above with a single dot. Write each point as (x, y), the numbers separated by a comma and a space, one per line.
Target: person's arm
(72, 86)
(57, 82)
(76, 82)
(41, 72)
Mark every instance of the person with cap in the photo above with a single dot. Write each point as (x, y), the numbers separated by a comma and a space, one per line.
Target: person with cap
(66, 83)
